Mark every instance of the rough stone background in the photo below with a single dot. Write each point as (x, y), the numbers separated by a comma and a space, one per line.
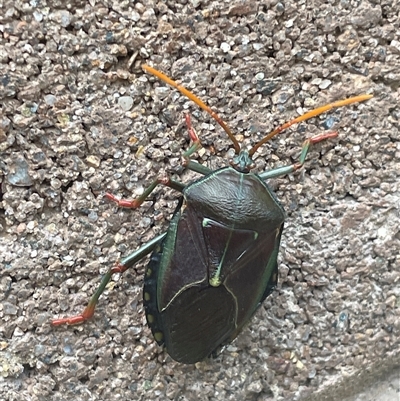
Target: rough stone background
(79, 117)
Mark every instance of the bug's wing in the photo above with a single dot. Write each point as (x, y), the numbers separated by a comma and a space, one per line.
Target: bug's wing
(206, 319)
(252, 277)
(184, 261)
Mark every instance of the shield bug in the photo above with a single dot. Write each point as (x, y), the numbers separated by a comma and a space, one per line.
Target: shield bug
(217, 262)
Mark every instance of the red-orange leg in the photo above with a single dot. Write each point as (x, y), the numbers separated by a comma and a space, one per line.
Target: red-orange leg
(88, 312)
(193, 137)
(120, 267)
(304, 150)
(195, 99)
(135, 203)
(307, 116)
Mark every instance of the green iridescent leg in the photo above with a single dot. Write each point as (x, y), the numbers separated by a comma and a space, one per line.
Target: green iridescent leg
(306, 147)
(135, 203)
(120, 267)
(191, 165)
(130, 260)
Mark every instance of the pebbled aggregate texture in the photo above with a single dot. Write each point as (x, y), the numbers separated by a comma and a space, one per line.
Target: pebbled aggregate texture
(79, 117)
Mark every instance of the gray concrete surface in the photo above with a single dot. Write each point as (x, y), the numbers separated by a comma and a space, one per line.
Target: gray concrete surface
(80, 117)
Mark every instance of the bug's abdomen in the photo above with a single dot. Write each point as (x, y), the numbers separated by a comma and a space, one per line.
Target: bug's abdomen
(199, 320)
(214, 268)
(153, 317)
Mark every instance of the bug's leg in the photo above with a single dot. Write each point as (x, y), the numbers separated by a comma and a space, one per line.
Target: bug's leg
(307, 116)
(120, 267)
(135, 203)
(187, 163)
(304, 150)
(198, 168)
(195, 99)
(193, 137)
(190, 164)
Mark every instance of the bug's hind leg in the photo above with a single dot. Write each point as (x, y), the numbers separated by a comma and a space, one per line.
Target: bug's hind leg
(120, 267)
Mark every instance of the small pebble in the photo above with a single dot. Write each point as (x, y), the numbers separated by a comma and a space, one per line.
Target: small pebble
(125, 102)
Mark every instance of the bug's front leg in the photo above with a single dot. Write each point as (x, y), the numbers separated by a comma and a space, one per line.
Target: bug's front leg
(120, 267)
(186, 162)
(304, 150)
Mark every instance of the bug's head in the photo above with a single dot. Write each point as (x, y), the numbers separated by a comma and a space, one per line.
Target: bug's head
(242, 162)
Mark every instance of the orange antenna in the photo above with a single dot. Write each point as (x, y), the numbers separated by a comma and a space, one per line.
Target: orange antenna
(195, 99)
(308, 115)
